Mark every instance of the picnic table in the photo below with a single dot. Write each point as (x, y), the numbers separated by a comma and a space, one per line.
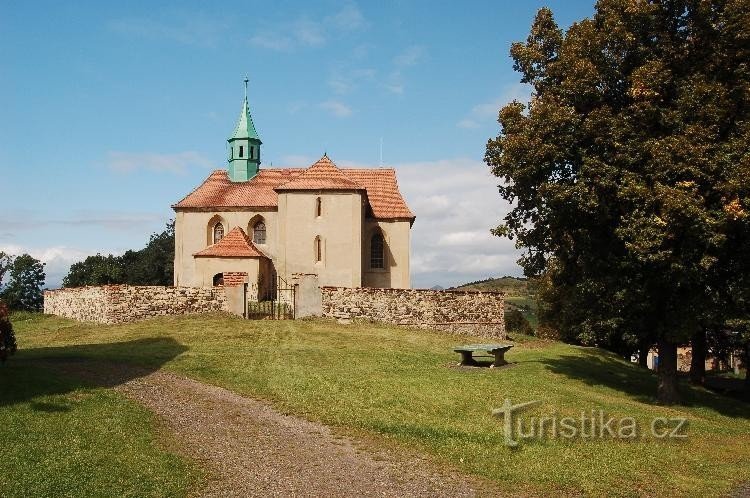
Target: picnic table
(496, 350)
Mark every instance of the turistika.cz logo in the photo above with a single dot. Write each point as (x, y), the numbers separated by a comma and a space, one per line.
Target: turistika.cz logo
(593, 424)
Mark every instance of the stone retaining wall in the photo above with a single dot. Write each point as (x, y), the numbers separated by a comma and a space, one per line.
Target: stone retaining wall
(128, 303)
(467, 312)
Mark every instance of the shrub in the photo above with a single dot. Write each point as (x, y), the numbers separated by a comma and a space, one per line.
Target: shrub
(7, 338)
(516, 322)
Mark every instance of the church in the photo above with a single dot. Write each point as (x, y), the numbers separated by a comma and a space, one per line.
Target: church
(349, 227)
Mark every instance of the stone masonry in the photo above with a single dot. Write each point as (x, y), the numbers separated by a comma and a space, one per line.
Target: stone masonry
(126, 303)
(466, 312)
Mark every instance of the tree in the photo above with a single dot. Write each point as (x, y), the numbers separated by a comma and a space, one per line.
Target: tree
(152, 265)
(629, 169)
(516, 322)
(94, 270)
(6, 261)
(7, 338)
(24, 289)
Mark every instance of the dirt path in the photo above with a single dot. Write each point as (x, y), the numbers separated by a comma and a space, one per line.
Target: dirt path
(250, 449)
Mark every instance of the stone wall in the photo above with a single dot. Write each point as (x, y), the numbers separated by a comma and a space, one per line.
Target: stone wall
(466, 312)
(127, 303)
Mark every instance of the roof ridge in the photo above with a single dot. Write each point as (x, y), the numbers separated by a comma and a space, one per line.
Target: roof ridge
(225, 172)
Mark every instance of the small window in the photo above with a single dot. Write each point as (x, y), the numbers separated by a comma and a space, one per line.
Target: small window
(231, 153)
(218, 279)
(252, 151)
(259, 233)
(318, 250)
(377, 246)
(242, 150)
(318, 207)
(218, 232)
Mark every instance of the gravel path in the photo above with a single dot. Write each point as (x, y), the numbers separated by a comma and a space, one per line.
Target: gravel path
(250, 449)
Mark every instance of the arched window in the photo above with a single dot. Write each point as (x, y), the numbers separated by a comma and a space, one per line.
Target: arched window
(318, 250)
(218, 279)
(218, 232)
(259, 233)
(318, 207)
(377, 246)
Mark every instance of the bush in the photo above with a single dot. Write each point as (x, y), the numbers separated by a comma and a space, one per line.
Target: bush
(516, 322)
(7, 338)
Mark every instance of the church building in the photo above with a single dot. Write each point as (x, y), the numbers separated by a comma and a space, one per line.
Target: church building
(350, 227)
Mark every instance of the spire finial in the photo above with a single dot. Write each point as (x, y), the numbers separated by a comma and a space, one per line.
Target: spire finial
(246, 80)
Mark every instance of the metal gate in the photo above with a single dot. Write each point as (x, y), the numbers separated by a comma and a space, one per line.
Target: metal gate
(280, 307)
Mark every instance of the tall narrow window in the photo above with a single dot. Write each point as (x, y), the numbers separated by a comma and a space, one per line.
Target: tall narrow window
(242, 150)
(252, 151)
(377, 259)
(231, 153)
(318, 250)
(259, 233)
(318, 207)
(218, 232)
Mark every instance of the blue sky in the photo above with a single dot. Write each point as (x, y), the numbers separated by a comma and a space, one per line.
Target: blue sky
(110, 112)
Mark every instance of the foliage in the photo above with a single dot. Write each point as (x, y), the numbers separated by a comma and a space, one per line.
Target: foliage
(24, 288)
(516, 322)
(7, 338)
(6, 261)
(397, 386)
(95, 270)
(629, 170)
(152, 265)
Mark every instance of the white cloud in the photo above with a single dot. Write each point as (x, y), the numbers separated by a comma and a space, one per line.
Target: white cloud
(188, 29)
(409, 56)
(180, 162)
(344, 81)
(27, 220)
(487, 111)
(456, 203)
(56, 259)
(337, 108)
(467, 124)
(349, 18)
(287, 36)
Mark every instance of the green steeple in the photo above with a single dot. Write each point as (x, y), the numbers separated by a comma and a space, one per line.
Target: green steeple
(244, 146)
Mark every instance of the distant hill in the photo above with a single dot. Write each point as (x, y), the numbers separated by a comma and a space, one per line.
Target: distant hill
(520, 293)
(513, 286)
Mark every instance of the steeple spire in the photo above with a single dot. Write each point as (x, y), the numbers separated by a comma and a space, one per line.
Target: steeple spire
(244, 145)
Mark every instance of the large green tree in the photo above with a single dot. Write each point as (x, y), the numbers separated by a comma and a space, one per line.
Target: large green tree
(152, 265)
(629, 169)
(24, 289)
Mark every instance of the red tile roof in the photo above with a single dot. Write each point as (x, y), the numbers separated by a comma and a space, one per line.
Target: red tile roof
(382, 192)
(323, 175)
(261, 192)
(235, 244)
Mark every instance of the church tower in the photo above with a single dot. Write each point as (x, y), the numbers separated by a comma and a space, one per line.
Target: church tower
(244, 146)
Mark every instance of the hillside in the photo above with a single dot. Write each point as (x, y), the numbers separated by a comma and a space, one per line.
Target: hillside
(520, 293)
(515, 286)
(393, 387)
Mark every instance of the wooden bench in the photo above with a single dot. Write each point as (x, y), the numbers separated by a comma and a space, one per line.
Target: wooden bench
(496, 350)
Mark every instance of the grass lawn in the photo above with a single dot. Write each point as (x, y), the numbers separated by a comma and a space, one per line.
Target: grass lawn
(396, 386)
(60, 437)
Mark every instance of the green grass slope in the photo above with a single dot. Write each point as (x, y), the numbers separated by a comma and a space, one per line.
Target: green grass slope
(61, 437)
(400, 387)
